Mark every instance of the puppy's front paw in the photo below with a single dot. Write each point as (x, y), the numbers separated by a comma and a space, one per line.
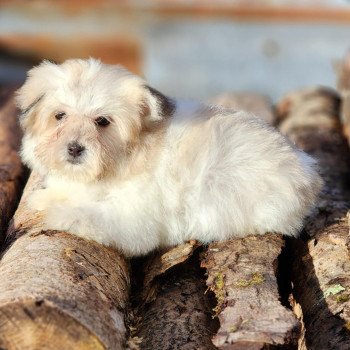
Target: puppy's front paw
(61, 217)
(43, 199)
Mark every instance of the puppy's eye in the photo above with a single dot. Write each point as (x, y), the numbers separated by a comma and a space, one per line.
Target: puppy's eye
(60, 115)
(102, 121)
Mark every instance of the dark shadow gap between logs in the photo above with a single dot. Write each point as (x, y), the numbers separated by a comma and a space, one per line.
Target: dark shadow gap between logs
(13, 175)
(179, 314)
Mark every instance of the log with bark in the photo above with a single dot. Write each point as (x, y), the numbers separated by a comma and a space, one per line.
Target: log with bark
(12, 173)
(320, 261)
(242, 274)
(176, 308)
(342, 68)
(59, 291)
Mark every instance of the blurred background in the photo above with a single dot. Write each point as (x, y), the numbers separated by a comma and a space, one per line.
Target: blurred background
(185, 48)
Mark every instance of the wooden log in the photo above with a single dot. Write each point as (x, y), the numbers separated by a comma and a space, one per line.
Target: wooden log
(12, 173)
(316, 96)
(257, 104)
(242, 274)
(59, 291)
(320, 260)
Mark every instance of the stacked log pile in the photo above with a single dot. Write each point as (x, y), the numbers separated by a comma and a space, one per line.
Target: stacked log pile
(58, 291)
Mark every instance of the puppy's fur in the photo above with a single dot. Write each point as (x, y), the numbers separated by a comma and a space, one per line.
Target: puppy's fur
(163, 171)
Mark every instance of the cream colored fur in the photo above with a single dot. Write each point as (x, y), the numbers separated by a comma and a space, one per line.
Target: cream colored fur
(163, 171)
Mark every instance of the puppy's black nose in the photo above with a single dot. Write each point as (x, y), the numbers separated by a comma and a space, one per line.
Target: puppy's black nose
(75, 149)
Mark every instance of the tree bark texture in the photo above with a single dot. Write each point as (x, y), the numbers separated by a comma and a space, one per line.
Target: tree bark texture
(59, 291)
(11, 169)
(242, 274)
(320, 259)
(258, 104)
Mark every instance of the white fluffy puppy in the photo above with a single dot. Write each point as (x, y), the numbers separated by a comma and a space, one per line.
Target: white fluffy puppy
(127, 166)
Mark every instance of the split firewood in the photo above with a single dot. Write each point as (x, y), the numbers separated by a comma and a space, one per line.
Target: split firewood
(160, 263)
(59, 291)
(320, 261)
(11, 169)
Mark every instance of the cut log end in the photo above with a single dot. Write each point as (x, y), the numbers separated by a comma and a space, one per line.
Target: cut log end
(45, 327)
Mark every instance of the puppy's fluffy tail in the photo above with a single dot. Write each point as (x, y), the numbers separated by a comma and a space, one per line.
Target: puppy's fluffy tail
(313, 182)
(306, 185)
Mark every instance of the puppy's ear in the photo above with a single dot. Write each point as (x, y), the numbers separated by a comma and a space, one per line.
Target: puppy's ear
(29, 96)
(156, 107)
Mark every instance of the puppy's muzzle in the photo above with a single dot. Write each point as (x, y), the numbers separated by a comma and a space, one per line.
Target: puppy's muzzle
(75, 150)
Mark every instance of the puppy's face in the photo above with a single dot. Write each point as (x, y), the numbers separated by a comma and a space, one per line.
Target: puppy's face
(82, 119)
